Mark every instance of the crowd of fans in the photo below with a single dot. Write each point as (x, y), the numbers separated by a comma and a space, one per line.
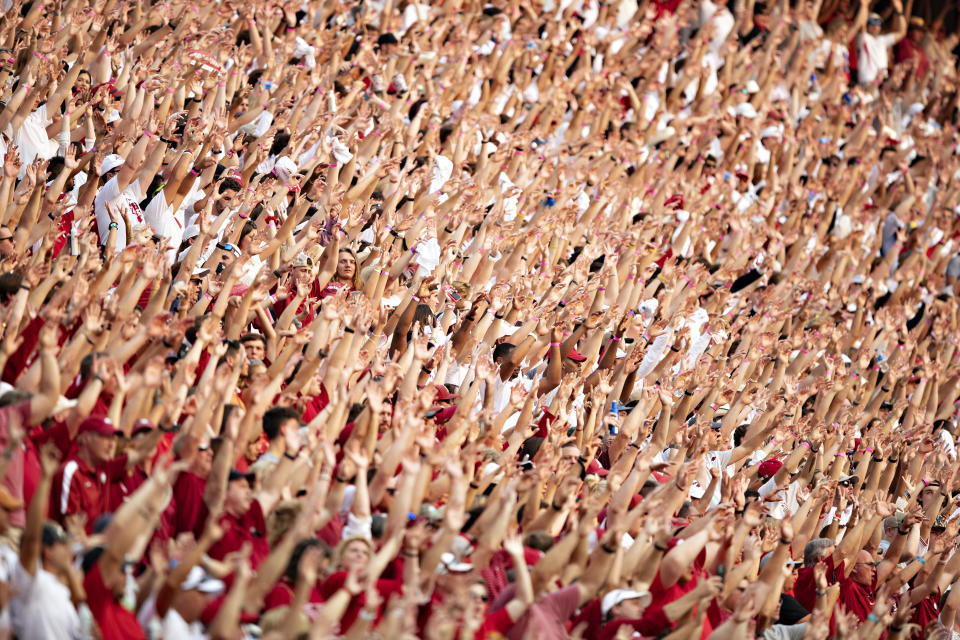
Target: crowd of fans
(463, 320)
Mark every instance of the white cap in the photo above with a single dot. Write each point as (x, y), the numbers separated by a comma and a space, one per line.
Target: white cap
(284, 168)
(770, 132)
(617, 596)
(746, 110)
(198, 580)
(110, 163)
(450, 564)
(752, 87)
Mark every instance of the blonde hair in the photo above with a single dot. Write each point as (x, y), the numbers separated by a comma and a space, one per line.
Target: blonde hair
(357, 537)
(355, 281)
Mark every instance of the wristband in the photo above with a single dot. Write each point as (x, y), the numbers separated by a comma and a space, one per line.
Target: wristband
(113, 225)
(659, 547)
(821, 593)
(607, 549)
(289, 457)
(348, 330)
(96, 376)
(922, 561)
(553, 505)
(873, 618)
(554, 344)
(784, 541)
(902, 532)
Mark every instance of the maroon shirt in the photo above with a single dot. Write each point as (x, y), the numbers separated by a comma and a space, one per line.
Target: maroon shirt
(249, 527)
(77, 488)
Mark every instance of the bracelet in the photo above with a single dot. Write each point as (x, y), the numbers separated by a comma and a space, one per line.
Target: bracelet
(411, 554)
(659, 547)
(873, 618)
(554, 344)
(607, 549)
(896, 629)
(877, 459)
(893, 460)
(498, 316)
(922, 561)
(821, 593)
(97, 376)
(553, 505)
(474, 485)
(784, 541)
(289, 457)
(113, 225)
(674, 349)
(348, 330)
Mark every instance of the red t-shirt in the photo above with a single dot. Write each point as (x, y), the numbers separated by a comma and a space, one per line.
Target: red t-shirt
(335, 582)
(651, 624)
(115, 622)
(495, 625)
(249, 527)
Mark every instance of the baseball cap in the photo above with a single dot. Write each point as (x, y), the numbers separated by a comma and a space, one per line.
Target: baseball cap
(236, 474)
(443, 394)
(595, 468)
(769, 468)
(770, 132)
(574, 355)
(8, 501)
(142, 425)
(284, 168)
(450, 564)
(53, 534)
(874, 18)
(110, 163)
(99, 425)
(746, 110)
(617, 596)
(198, 580)
(848, 479)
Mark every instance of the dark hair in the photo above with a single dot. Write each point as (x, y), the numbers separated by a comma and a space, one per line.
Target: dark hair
(280, 141)
(230, 184)
(502, 350)
(228, 410)
(293, 567)
(274, 419)
(253, 336)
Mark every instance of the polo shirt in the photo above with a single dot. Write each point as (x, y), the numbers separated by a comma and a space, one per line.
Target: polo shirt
(79, 489)
(249, 527)
(335, 582)
(115, 622)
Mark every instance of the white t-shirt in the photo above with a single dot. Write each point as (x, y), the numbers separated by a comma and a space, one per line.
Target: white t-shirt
(32, 140)
(41, 608)
(872, 59)
(166, 223)
(128, 203)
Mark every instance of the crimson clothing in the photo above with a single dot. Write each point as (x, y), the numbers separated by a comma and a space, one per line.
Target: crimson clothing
(856, 598)
(13, 481)
(495, 625)
(282, 595)
(115, 622)
(249, 527)
(651, 624)
(906, 49)
(77, 488)
(189, 511)
(805, 588)
(315, 404)
(386, 588)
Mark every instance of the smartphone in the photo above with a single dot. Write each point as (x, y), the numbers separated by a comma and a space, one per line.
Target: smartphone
(451, 293)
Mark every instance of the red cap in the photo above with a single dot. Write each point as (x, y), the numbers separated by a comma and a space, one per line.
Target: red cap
(142, 425)
(443, 394)
(595, 468)
(576, 356)
(769, 468)
(445, 414)
(99, 425)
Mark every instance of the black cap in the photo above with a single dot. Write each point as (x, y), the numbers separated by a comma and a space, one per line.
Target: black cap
(53, 533)
(237, 475)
